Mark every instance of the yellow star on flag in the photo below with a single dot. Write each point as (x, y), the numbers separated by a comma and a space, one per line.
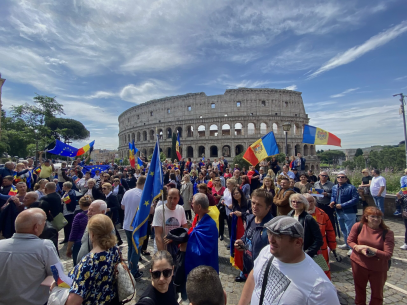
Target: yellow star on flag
(146, 203)
(151, 173)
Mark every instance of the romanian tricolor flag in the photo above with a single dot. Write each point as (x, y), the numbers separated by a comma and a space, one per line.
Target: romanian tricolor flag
(178, 143)
(13, 191)
(404, 189)
(131, 155)
(318, 136)
(236, 257)
(66, 199)
(261, 149)
(85, 149)
(317, 192)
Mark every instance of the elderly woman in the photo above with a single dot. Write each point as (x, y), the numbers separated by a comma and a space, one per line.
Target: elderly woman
(93, 278)
(78, 228)
(186, 193)
(326, 228)
(92, 190)
(69, 203)
(372, 243)
(312, 235)
(162, 289)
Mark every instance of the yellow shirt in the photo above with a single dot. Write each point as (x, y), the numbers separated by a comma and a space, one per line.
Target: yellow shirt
(46, 171)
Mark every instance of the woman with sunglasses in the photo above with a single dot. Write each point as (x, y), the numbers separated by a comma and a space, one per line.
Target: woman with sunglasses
(372, 243)
(162, 289)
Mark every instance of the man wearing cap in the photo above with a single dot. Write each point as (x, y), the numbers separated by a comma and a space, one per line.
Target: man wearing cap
(345, 199)
(290, 276)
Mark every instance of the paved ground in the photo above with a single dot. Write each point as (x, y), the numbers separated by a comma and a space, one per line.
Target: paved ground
(395, 290)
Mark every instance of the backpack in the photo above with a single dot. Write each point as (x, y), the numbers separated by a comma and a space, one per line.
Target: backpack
(383, 236)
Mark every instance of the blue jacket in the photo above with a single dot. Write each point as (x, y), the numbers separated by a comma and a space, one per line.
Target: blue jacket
(258, 242)
(8, 172)
(349, 197)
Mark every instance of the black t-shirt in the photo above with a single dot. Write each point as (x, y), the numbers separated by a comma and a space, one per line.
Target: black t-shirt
(153, 297)
(365, 180)
(312, 178)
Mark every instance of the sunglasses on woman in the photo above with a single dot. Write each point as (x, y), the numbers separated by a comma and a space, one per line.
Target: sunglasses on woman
(157, 274)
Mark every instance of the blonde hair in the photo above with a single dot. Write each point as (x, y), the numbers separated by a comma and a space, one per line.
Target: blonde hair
(365, 170)
(92, 180)
(108, 185)
(267, 179)
(233, 181)
(188, 178)
(103, 231)
(270, 173)
(299, 198)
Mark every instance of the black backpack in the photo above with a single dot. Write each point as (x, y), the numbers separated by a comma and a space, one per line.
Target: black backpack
(383, 236)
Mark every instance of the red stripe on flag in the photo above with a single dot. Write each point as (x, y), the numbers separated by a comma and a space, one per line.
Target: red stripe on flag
(250, 157)
(333, 140)
(179, 156)
(80, 152)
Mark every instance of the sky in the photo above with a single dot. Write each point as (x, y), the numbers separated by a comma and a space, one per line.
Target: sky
(99, 58)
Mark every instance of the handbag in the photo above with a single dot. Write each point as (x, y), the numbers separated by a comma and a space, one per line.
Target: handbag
(59, 222)
(126, 284)
(321, 262)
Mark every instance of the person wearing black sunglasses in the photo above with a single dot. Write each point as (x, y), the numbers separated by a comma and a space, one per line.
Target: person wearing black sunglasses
(323, 202)
(162, 289)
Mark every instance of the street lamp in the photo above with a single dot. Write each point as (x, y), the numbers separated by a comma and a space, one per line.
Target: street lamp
(286, 128)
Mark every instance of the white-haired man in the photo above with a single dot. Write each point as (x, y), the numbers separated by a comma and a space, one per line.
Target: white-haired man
(96, 207)
(25, 261)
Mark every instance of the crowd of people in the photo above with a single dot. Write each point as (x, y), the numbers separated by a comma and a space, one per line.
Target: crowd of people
(280, 234)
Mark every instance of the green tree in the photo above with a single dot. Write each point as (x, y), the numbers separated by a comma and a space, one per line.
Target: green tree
(389, 157)
(359, 152)
(331, 156)
(68, 129)
(240, 161)
(174, 147)
(162, 157)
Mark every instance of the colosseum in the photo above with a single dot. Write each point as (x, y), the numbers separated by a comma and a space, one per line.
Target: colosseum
(217, 125)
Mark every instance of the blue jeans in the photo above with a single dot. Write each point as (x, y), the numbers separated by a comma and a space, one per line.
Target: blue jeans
(379, 202)
(132, 255)
(346, 221)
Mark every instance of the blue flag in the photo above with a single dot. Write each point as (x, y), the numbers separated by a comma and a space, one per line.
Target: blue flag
(152, 189)
(139, 162)
(93, 168)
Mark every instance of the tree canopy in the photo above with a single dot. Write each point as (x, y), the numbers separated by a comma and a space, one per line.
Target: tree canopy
(67, 129)
(359, 152)
(331, 156)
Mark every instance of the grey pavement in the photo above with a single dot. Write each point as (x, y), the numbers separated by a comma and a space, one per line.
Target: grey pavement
(395, 291)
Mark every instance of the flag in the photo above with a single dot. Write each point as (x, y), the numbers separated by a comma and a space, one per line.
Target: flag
(37, 170)
(261, 149)
(29, 179)
(139, 163)
(62, 149)
(317, 192)
(66, 199)
(13, 191)
(178, 143)
(153, 189)
(236, 257)
(318, 136)
(202, 247)
(213, 213)
(404, 189)
(131, 155)
(93, 168)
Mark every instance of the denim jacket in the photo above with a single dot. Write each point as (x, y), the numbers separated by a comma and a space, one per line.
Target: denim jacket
(349, 197)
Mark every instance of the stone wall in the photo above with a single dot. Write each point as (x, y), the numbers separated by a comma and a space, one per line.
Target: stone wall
(219, 125)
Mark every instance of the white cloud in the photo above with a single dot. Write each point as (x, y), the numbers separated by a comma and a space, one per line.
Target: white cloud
(400, 78)
(292, 87)
(344, 93)
(149, 90)
(355, 52)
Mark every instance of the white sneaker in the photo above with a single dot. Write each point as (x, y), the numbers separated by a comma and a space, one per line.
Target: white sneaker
(344, 247)
(403, 247)
(349, 252)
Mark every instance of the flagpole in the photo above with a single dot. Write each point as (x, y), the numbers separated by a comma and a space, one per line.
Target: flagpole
(161, 179)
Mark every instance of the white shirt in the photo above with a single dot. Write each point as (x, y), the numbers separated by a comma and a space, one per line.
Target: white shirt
(131, 202)
(287, 284)
(375, 185)
(227, 196)
(290, 174)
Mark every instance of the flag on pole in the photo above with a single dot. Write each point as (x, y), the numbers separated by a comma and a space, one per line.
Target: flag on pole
(153, 189)
(131, 155)
(318, 136)
(261, 149)
(13, 191)
(139, 163)
(178, 143)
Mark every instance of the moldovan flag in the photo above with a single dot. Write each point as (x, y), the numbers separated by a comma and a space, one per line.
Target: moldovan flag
(261, 149)
(178, 143)
(131, 155)
(318, 136)
(236, 257)
(13, 191)
(139, 163)
(404, 189)
(316, 192)
(66, 199)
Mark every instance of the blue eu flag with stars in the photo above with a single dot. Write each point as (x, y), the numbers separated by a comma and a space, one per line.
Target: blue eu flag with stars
(152, 190)
(93, 168)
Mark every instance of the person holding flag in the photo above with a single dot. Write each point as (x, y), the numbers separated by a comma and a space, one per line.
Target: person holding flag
(69, 203)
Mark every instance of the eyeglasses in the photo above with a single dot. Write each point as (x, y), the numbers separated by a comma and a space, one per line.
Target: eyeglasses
(323, 175)
(157, 274)
(374, 217)
(293, 201)
(341, 177)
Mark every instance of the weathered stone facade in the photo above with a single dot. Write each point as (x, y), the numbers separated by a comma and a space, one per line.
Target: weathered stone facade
(217, 125)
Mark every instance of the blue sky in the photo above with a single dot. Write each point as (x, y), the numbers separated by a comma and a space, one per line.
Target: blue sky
(101, 57)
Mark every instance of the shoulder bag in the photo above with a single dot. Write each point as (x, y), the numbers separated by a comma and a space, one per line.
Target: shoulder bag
(265, 279)
(59, 222)
(126, 284)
